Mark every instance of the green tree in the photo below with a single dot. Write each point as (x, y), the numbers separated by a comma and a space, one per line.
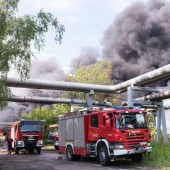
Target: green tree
(49, 115)
(19, 37)
(98, 73)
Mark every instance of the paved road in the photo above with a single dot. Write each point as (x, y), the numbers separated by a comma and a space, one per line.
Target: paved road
(51, 160)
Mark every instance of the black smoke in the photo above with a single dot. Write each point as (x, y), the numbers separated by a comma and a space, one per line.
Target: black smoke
(87, 57)
(138, 40)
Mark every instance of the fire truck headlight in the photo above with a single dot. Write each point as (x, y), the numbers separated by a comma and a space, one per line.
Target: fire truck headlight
(40, 143)
(119, 146)
(143, 143)
(20, 143)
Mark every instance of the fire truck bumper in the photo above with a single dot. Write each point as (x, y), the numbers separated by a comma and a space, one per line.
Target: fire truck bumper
(119, 152)
(29, 144)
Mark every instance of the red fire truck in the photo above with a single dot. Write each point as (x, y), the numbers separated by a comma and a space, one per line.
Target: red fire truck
(27, 134)
(108, 134)
(53, 135)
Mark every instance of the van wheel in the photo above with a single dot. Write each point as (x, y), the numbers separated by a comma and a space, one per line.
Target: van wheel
(104, 156)
(136, 158)
(69, 153)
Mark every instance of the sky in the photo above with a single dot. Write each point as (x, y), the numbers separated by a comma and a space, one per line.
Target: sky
(84, 21)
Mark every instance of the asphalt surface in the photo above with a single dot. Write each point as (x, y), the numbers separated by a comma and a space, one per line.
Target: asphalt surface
(52, 160)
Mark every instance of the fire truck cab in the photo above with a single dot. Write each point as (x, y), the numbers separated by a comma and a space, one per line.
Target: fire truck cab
(108, 134)
(53, 135)
(27, 134)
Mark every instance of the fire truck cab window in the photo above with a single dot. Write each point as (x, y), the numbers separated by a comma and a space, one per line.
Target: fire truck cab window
(94, 121)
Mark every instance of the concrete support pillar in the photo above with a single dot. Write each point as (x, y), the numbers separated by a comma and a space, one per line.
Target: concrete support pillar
(164, 128)
(161, 122)
(130, 96)
(89, 96)
(158, 127)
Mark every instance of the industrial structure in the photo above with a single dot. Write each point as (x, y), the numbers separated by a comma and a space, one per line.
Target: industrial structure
(142, 80)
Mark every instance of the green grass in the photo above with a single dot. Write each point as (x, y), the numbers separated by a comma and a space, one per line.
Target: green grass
(159, 157)
(48, 147)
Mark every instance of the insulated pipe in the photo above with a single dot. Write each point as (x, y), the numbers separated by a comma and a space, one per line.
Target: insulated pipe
(144, 79)
(156, 96)
(49, 100)
(6, 123)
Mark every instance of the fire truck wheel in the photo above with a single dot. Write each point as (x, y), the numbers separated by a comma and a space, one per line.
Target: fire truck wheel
(31, 151)
(77, 157)
(136, 158)
(56, 147)
(103, 156)
(39, 150)
(69, 153)
(16, 152)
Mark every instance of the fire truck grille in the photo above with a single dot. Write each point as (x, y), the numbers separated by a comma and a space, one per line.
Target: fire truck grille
(135, 136)
(132, 146)
(51, 137)
(30, 144)
(33, 137)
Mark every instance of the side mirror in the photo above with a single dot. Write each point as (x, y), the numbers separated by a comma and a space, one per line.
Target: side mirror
(107, 121)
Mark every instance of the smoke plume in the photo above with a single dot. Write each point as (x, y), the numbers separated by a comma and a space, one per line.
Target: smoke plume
(138, 40)
(41, 68)
(87, 57)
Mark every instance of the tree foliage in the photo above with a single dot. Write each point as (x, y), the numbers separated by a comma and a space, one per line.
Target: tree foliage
(19, 37)
(49, 115)
(98, 73)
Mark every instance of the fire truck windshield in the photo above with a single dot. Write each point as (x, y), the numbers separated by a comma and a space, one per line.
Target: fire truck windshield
(131, 120)
(30, 126)
(53, 130)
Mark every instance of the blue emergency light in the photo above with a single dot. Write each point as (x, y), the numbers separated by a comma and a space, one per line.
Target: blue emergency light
(137, 108)
(126, 107)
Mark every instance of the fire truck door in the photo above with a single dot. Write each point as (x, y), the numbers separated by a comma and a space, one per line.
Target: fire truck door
(93, 128)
